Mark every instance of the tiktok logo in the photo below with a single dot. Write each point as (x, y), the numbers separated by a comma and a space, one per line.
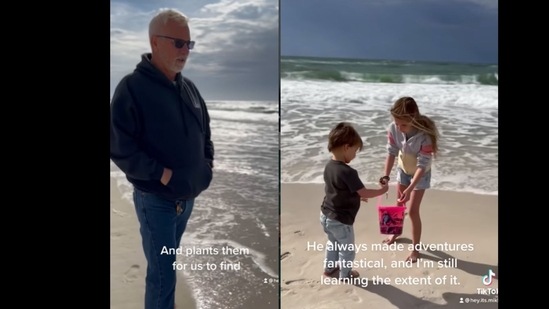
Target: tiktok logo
(487, 279)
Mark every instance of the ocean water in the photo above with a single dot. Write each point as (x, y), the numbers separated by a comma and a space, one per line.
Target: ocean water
(317, 93)
(239, 210)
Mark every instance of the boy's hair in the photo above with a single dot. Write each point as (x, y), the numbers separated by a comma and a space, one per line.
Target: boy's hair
(406, 109)
(343, 134)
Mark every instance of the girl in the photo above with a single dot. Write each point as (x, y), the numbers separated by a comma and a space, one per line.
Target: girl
(413, 138)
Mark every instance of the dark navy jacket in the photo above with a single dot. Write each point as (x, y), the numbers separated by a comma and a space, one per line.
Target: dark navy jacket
(156, 124)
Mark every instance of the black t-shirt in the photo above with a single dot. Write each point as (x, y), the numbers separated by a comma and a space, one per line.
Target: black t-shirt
(341, 183)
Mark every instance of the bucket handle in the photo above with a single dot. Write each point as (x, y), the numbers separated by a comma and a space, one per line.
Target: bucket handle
(386, 196)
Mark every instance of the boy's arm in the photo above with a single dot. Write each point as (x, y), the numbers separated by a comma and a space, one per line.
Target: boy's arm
(368, 193)
(354, 184)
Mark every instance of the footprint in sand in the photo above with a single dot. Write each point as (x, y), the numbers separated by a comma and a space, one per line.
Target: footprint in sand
(299, 281)
(118, 212)
(294, 281)
(429, 293)
(310, 283)
(285, 255)
(352, 295)
(287, 291)
(131, 274)
(115, 235)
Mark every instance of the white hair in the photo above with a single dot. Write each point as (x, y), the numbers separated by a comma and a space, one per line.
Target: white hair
(163, 17)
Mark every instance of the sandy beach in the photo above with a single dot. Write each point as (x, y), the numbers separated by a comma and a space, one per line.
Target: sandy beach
(449, 276)
(128, 264)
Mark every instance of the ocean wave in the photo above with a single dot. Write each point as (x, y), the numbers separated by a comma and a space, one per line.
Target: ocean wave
(343, 76)
(244, 111)
(243, 116)
(387, 71)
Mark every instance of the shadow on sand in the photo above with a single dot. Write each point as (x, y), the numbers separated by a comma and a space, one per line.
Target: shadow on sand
(404, 300)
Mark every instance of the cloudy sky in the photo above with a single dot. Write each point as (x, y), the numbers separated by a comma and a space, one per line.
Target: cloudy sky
(432, 30)
(236, 52)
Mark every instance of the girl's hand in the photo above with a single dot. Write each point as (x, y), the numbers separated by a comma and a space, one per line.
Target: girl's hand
(364, 199)
(404, 197)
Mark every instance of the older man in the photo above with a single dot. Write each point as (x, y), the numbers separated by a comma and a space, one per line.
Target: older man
(160, 138)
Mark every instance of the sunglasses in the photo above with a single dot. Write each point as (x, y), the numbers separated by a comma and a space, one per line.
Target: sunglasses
(179, 43)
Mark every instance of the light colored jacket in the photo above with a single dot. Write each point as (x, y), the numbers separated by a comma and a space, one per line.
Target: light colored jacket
(414, 152)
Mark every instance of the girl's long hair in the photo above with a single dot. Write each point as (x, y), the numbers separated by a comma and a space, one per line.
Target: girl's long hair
(406, 109)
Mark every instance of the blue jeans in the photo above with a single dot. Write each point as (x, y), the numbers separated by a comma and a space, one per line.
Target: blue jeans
(339, 237)
(162, 223)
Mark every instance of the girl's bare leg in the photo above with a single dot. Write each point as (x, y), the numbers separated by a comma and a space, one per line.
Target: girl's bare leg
(413, 212)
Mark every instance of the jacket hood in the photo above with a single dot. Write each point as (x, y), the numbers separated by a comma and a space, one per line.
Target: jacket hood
(146, 67)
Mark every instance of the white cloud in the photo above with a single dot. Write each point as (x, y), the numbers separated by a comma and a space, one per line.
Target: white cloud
(231, 31)
(129, 38)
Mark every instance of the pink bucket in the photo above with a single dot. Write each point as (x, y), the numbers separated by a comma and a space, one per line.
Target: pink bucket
(391, 218)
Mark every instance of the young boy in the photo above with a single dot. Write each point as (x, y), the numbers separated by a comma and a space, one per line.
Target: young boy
(343, 192)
